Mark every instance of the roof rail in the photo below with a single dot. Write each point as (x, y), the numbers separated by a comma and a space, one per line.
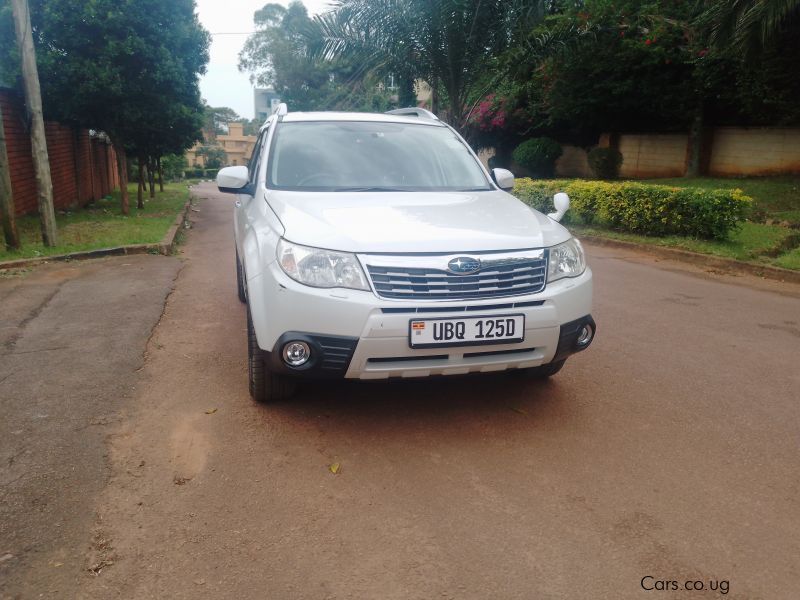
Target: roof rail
(281, 109)
(413, 112)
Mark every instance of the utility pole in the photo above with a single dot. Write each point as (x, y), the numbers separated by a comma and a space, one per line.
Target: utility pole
(33, 103)
(6, 193)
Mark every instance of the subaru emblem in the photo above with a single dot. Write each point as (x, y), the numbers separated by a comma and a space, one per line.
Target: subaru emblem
(464, 265)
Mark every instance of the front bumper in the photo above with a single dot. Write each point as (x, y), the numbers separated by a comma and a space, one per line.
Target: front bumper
(357, 335)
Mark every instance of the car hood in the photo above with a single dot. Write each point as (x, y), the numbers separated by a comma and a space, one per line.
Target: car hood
(399, 222)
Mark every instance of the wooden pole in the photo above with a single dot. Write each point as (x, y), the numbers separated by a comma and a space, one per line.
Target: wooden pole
(122, 172)
(7, 194)
(33, 104)
(139, 193)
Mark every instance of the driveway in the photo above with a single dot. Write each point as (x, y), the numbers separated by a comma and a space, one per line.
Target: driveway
(666, 452)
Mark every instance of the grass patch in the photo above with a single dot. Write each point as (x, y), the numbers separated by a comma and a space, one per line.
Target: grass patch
(753, 242)
(789, 260)
(777, 197)
(100, 225)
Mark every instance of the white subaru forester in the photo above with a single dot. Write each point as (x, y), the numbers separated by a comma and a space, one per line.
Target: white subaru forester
(371, 246)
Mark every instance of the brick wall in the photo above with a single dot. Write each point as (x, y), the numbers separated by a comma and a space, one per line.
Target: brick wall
(82, 167)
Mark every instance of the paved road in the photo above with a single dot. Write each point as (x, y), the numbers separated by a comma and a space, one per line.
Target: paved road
(670, 450)
(71, 339)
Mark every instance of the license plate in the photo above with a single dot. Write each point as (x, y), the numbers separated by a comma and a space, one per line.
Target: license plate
(470, 331)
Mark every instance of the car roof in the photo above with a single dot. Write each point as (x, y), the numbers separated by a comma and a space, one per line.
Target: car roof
(294, 117)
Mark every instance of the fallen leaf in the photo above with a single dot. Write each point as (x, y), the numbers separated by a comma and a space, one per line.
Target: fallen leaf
(518, 410)
(6, 557)
(211, 411)
(334, 468)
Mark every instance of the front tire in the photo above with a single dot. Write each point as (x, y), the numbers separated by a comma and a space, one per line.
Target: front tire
(265, 386)
(240, 280)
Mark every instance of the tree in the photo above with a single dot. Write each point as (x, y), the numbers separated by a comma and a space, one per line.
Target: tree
(215, 156)
(218, 117)
(748, 26)
(126, 67)
(282, 55)
(173, 165)
(451, 44)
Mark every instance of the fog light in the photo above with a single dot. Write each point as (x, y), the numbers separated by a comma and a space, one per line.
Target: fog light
(585, 336)
(296, 354)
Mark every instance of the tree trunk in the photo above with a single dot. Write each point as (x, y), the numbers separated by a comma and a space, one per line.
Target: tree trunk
(696, 137)
(122, 173)
(140, 188)
(151, 175)
(160, 175)
(33, 103)
(7, 194)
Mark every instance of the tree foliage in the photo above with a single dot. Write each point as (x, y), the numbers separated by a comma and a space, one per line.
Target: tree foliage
(628, 65)
(451, 44)
(215, 156)
(126, 67)
(281, 55)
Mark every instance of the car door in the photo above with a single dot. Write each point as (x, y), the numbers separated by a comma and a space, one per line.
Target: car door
(240, 215)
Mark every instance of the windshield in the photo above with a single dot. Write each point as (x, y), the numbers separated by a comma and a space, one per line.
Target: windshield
(366, 156)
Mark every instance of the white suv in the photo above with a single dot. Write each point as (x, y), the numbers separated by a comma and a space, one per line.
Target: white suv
(371, 246)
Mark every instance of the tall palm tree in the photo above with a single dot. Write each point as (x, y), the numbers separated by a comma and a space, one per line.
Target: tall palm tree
(449, 43)
(750, 25)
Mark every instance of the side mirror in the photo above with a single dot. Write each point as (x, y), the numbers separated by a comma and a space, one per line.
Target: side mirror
(503, 178)
(233, 180)
(561, 202)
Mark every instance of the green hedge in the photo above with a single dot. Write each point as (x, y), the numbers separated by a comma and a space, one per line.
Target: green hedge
(538, 156)
(212, 173)
(657, 210)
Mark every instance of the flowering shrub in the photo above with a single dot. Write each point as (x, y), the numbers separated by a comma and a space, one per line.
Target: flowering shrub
(497, 121)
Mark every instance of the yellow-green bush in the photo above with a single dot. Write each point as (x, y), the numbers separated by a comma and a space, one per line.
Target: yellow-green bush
(641, 208)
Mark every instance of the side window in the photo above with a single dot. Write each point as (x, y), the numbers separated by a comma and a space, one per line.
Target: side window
(255, 159)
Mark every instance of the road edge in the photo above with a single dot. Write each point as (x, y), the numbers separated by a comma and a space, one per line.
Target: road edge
(728, 265)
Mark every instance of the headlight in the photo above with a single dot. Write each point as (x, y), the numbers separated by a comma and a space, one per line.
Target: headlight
(566, 260)
(321, 268)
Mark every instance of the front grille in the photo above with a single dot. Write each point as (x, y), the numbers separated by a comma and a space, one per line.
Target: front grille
(513, 275)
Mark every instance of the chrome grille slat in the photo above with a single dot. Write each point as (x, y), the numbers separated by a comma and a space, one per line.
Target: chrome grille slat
(452, 283)
(457, 286)
(419, 277)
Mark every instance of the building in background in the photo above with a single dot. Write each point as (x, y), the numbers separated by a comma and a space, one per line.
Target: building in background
(265, 101)
(238, 147)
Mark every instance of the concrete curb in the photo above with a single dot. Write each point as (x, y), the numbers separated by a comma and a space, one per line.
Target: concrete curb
(728, 265)
(165, 247)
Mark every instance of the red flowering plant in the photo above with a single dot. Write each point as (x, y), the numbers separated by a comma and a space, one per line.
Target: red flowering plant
(499, 122)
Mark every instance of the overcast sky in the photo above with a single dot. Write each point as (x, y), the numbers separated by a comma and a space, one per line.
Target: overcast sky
(223, 84)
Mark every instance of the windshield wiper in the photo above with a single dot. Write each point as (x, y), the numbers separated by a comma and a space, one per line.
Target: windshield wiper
(370, 189)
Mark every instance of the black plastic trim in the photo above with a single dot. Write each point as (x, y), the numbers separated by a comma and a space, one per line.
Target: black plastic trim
(568, 337)
(330, 355)
(471, 308)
